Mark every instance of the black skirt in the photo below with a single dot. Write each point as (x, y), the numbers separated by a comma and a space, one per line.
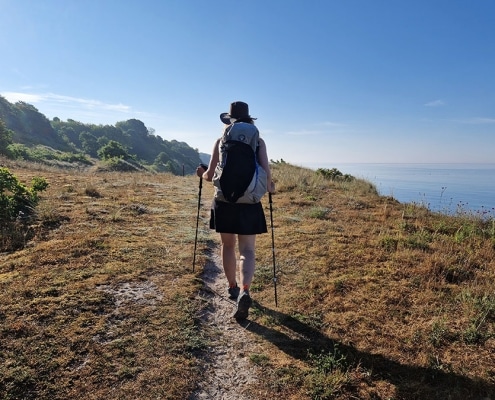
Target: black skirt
(242, 219)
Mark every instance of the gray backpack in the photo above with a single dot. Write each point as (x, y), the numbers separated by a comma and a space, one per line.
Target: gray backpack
(238, 176)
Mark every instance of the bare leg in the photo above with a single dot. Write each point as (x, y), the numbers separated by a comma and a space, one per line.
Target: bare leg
(229, 259)
(247, 259)
(246, 267)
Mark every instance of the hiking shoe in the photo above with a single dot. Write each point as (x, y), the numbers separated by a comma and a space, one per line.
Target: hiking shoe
(243, 303)
(234, 292)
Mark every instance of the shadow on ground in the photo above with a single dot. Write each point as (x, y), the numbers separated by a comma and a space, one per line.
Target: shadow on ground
(412, 382)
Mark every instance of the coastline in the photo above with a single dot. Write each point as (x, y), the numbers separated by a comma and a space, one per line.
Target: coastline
(444, 187)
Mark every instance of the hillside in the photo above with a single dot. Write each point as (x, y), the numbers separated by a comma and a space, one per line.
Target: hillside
(376, 299)
(30, 127)
(48, 138)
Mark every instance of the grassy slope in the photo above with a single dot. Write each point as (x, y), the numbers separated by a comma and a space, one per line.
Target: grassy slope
(376, 299)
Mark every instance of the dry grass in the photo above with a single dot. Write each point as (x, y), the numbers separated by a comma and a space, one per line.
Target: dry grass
(105, 305)
(377, 300)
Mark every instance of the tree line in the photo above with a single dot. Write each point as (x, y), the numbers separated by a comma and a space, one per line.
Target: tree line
(25, 133)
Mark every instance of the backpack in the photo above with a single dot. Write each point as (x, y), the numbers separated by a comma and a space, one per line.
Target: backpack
(238, 177)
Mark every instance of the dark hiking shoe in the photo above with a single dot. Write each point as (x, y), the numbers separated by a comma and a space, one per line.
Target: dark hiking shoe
(243, 303)
(234, 292)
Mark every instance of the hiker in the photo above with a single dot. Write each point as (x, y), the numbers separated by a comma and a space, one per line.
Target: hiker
(238, 221)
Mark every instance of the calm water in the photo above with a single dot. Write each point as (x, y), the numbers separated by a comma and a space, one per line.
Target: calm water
(446, 188)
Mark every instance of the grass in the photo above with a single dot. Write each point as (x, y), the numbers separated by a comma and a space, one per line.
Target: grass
(377, 299)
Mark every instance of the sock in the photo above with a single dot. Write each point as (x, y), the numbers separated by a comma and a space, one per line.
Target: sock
(245, 288)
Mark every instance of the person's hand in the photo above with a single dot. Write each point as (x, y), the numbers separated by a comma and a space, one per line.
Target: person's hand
(271, 188)
(201, 170)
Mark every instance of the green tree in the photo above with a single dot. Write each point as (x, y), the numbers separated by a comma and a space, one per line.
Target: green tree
(5, 139)
(89, 143)
(162, 162)
(113, 149)
(162, 158)
(173, 167)
(102, 141)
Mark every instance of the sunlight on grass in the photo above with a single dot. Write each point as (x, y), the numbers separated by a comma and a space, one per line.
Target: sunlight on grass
(375, 297)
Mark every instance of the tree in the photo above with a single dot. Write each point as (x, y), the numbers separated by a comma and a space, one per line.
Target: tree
(133, 127)
(89, 143)
(162, 162)
(162, 158)
(5, 138)
(113, 150)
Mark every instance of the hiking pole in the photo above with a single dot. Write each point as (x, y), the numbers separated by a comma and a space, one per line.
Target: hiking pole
(197, 217)
(273, 249)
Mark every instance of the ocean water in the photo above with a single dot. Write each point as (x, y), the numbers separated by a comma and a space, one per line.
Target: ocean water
(446, 188)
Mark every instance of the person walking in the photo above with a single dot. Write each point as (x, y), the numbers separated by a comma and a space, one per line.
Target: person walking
(238, 223)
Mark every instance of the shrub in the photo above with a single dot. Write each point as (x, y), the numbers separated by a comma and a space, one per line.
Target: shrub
(15, 197)
(319, 213)
(44, 154)
(17, 202)
(334, 174)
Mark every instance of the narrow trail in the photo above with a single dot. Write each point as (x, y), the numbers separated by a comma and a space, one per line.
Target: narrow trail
(228, 372)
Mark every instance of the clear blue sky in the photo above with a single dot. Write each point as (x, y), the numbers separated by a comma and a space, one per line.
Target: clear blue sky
(329, 80)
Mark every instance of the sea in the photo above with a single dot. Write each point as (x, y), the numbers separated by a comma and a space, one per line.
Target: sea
(445, 188)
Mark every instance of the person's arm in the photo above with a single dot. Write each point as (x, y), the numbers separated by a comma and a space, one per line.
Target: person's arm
(263, 160)
(208, 173)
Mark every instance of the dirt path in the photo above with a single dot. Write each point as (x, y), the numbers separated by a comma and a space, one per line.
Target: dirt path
(228, 372)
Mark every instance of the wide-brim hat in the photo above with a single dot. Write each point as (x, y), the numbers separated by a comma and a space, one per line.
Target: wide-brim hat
(238, 111)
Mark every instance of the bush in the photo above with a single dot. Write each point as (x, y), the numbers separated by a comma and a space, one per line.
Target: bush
(44, 154)
(334, 174)
(17, 200)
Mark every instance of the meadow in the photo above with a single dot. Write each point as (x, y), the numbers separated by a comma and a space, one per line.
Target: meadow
(376, 299)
